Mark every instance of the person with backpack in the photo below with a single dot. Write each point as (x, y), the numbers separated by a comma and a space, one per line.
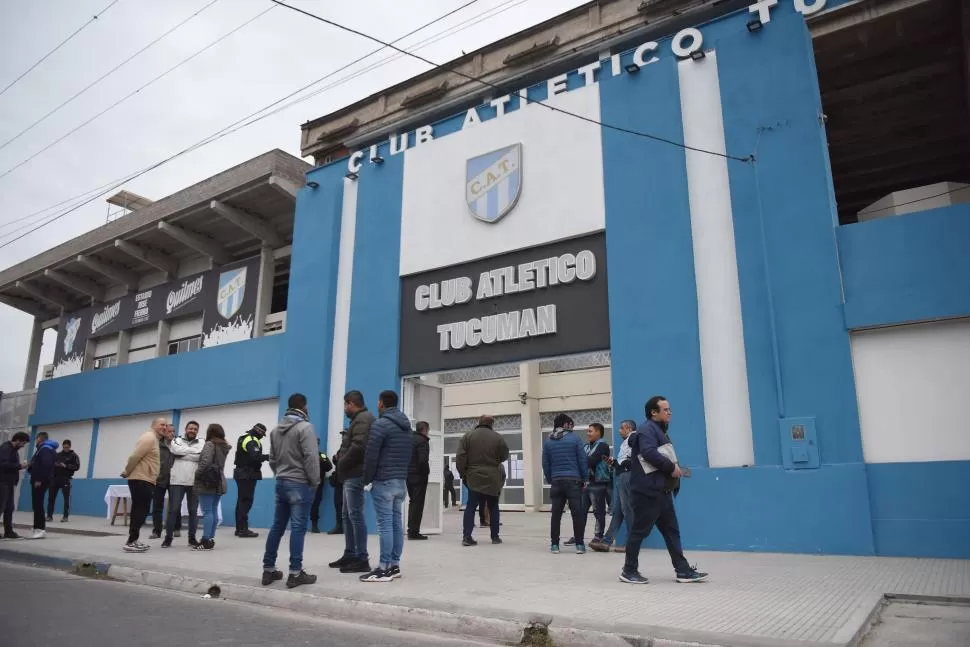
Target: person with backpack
(600, 475)
(210, 482)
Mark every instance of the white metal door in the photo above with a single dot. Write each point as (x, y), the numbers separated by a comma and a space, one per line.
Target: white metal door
(423, 402)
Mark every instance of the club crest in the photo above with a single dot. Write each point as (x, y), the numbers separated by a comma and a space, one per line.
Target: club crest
(493, 182)
(70, 334)
(232, 290)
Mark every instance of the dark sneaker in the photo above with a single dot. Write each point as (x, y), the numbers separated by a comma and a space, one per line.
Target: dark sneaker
(167, 542)
(315, 529)
(394, 572)
(417, 536)
(693, 575)
(205, 544)
(271, 576)
(599, 546)
(356, 566)
(343, 561)
(554, 549)
(156, 535)
(336, 531)
(580, 549)
(248, 534)
(377, 575)
(135, 547)
(496, 540)
(193, 542)
(468, 541)
(633, 578)
(50, 517)
(178, 533)
(294, 581)
(64, 519)
(11, 535)
(570, 542)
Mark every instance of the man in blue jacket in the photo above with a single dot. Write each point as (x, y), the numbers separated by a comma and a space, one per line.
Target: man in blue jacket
(565, 467)
(386, 461)
(41, 474)
(652, 483)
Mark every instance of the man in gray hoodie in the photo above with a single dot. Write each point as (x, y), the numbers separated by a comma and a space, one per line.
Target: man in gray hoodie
(295, 461)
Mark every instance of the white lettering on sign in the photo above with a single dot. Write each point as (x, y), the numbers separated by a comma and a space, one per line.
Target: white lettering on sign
(684, 43)
(106, 316)
(177, 298)
(498, 328)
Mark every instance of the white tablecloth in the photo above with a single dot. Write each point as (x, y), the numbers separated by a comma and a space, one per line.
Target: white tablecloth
(116, 492)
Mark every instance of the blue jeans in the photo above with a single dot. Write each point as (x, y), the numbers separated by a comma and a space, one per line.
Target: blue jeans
(293, 500)
(595, 497)
(388, 497)
(210, 503)
(355, 526)
(621, 506)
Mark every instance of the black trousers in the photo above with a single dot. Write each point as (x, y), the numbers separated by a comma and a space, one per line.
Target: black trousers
(6, 506)
(315, 507)
(173, 520)
(38, 491)
(158, 507)
(416, 495)
(561, 492)
(338, 504)
(449, 491)
(244, 503)
(141, 502)
(59, 485)
(649, 511)
(480, 500)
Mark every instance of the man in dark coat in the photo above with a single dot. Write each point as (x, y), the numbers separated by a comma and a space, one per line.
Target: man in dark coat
(350, 472)
(481, 454)
(65, 465)
(165, 460)
(418, 472)
(10, 467)
(41, 474)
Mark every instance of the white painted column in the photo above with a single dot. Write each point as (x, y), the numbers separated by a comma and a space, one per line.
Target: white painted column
(264, 290)
(531, 436)
(124, 345)
(723, 364)
(341, 320)
(33, 354)
(162, 339)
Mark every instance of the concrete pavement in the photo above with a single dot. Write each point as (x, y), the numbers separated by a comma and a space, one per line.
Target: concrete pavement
(494, 591)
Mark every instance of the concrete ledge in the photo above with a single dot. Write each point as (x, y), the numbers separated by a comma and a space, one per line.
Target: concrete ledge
(57, 562)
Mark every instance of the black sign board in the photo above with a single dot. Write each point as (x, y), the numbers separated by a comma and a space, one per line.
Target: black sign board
(72, 339)
(230, 303)
(539, 302)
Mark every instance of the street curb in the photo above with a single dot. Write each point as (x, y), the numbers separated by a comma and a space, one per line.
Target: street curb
(79, 567)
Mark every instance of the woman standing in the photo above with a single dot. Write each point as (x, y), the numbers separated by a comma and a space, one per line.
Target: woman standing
(210, 482)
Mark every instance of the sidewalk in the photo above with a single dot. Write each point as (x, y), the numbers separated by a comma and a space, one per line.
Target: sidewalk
(750, 599)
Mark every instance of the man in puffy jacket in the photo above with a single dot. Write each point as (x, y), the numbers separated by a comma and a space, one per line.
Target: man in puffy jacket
(651, 494)
(350, 472)
(565, 467)
(41, 475)
(386, 461)
(65, 465)
(185, 463)
(481, 453)
(10, 466)
(248, 471)
(418, 472)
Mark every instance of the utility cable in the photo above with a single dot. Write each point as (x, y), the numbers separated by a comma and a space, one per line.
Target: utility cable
(103, 77)
(60, 45)
(474, 79)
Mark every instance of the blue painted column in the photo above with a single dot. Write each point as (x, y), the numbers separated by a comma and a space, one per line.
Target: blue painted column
(93, 452)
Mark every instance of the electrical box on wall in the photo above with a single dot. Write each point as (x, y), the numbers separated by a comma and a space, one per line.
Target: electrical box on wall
(799, 443)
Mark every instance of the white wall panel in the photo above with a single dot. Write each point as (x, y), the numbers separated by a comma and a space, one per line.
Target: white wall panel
(185, 327)
(116, 440)
(236, 419)
(107, 345)
(79, 433)
(558, 155)
(144, 336)
(912, 383)
(141, 355)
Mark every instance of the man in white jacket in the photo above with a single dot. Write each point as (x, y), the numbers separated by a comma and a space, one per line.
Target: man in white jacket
(185, 453)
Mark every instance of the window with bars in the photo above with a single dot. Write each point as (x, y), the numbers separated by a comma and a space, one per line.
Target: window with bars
(186, 345)
(106, 361)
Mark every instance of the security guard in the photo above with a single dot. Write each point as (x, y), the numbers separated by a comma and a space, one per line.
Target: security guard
(249, 461)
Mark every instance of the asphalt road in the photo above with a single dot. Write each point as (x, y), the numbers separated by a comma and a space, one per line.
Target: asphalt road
(46, 608)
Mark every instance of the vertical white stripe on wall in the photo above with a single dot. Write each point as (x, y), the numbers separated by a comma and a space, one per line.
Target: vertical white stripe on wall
(341, 320)
(723, 365)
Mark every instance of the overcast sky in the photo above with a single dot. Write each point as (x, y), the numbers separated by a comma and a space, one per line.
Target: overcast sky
(271, 57)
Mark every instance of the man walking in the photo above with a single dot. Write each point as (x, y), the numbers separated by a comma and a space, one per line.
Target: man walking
(65, 464)
(10, 466)
(161, 484)
(481, 453)
(386, 461)
(350, 471)
(621, 503)
(294, 459)
(565, 467)
(418, 472)
(41, 475)
(653, 480)
(600, 476)
(141, 470)
(185, 463)
(248, 471)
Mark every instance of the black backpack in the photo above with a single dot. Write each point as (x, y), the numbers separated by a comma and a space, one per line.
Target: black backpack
(211, 476)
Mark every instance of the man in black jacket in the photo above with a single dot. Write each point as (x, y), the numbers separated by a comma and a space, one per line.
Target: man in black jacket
(418, 472)
(165, 460)
(41, 474)
(65, 464)
(249, 469)
(10, 466)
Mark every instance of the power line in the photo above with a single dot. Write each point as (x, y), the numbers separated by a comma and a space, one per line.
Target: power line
(133, 93)
(469, 77)
(211, 138)
(60, 45)
(103, 77)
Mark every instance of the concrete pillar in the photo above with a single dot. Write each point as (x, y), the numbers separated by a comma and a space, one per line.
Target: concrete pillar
(161, 346)
(264, 291)
(531, 435)
(124, 343)
(33, 354)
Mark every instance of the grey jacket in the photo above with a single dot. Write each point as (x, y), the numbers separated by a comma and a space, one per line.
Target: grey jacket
(293, 450)
(212, 453)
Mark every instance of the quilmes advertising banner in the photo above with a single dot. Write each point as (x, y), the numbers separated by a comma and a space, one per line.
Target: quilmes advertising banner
(230, 303)
(178, 298)
(538, 302)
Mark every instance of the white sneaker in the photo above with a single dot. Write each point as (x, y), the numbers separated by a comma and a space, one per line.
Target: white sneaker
(39, 534)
